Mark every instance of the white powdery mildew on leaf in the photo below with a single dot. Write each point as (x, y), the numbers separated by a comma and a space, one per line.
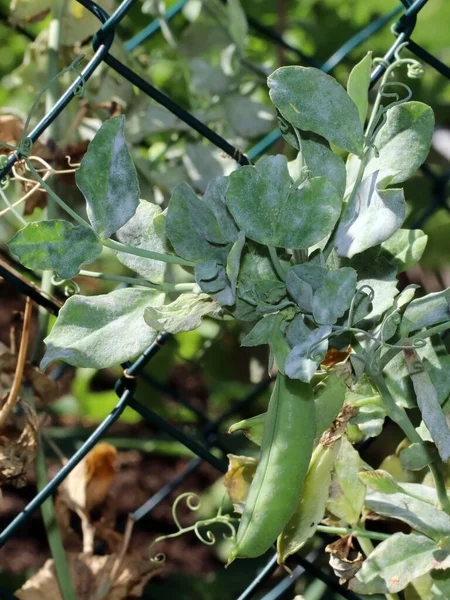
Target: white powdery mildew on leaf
(101, 331)
(108, 180)
(372, 217)
(184, 314)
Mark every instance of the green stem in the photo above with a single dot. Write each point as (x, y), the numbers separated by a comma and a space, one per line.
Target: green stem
(367, 548)
(54, 538)
(363, 533)
(276, 263)
(164, 287)
(366, 401)
(167, 258)
(439, 482)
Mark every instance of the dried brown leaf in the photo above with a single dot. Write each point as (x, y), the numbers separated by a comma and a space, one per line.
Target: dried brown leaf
(91, 574)
(44, 387)
(339, 425)
(344, 560)
(238, 478)
(18, 445)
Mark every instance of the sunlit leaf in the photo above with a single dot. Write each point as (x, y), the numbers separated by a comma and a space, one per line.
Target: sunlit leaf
(184, 314)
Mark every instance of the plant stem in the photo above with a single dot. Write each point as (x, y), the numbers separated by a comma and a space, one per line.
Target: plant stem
(367, 548)
(439, 482)
(54, 538)
(54, 38)
(276, 263)
(167, 258)
(164, 287)
(363, 533)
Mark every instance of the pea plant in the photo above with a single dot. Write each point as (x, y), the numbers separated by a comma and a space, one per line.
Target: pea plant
(306, 255)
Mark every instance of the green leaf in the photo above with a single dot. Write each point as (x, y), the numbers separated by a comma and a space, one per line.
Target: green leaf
(314, 101)
(334, 296)
(237, 23)
(422, 516)
(302, 282)
(347, 491)
(212, 278)
(428, 402)
(278, 343)
(261, 332)
(272, 211)
(417, 456)
(55, 245)
(430, 310)
(252, 428)
(234, 261)
(358, 85)
(215, 198)
(396, 562)
(298, 365)
(403, 143)
(140, 232)
(188, 223)
(406, 247)
(184, 314)
(381, 481)
(108, 180)
(322, 162)
(101, 331)
(371, 411)
(372, 216)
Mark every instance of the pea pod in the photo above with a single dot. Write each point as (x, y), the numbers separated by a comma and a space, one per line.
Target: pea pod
(329, 398)
(311, 508)
(285, 454)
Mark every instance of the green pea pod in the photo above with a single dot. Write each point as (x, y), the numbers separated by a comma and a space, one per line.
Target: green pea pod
(329, 398)
(253, 428)
(285, 454)
(311, 509)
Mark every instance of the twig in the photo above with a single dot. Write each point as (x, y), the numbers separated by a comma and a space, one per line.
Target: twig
(15, 388)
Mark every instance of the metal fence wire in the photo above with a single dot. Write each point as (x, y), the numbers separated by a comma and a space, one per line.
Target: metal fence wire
(407, 15)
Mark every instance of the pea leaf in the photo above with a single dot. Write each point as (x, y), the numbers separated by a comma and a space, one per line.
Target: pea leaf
(428, 402)
(252, 428)
(358, 85)
(215, 198)
(372, 216)
(417, 456)
(329, 397)
(101, 331)
(396, 562)
(261, 332)
(234, 261)
(272, 211)
(403, 143)
(140, 232)
(55, 245)
(212, 278)
(302, 282)
(108, 180)
(322, 162)
(334, 296)
(184, 314)
(189, 224)
(314, 101)
(298, 365)
(406, 247)
(430, 310)
(347, 491)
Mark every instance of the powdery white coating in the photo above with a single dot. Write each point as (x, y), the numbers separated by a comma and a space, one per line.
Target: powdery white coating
(314, 101)
(370, 218)
(184, 314)
(102, 331)
(108, 180)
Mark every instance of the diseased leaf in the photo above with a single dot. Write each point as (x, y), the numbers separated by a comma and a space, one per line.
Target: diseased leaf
(358, 85)
(371, 414)
(381, 481)
(322, 162)
(314, 101)
(333, 298)
(184, 314)
(108, 180)
(140, 232)
(417, 456)
(234, 262)
(55, 245)
(241, 470)
(302, 282)
(406, 247)
(272, 211)
(298, 365)
(212, 278)
(101, 331)
(430, 310)
(428, 402)
(215, 198)
(347, 491)
(189, 222)
(261, 332)
(371, 217)
(396, 562)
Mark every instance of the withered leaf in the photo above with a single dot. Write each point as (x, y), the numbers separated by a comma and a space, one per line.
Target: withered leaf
(344, 560)
(238, 478)
(91, 574)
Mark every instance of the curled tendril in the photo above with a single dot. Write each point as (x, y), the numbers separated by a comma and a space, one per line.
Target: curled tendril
(5, 181)
(193, 502)
(362, 290)
(70, 287)
(207, 538)
(25, 145)
(80, 88)
(159, 558)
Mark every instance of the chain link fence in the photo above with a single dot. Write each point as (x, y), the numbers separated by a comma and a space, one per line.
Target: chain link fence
(207, 447)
